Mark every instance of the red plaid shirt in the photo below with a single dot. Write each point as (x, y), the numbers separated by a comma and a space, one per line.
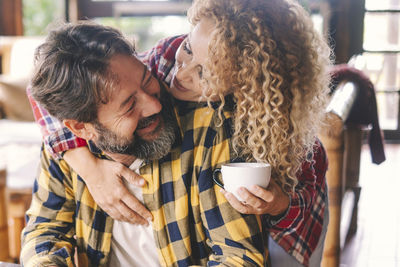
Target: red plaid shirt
(298, 231)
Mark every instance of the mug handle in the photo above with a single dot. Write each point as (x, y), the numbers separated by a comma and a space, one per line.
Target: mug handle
(216, 178)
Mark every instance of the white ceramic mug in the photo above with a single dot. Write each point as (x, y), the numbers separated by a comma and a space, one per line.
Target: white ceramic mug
(242, 174)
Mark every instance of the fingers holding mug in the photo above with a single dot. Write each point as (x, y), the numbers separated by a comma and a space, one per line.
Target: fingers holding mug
(242, 174)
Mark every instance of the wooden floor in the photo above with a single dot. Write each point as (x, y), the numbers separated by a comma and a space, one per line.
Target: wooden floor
(377, 240)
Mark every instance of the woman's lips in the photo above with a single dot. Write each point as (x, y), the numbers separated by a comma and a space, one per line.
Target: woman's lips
(176, 84)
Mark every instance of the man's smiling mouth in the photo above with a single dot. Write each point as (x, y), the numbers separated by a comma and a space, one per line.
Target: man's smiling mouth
(149, 124)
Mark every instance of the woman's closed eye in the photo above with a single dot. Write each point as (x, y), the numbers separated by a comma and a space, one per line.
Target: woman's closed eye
(146, 81)
(186, 48)
(200, 71)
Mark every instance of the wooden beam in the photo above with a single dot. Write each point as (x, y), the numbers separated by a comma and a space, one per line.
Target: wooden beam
(73, 10)
(347, 28)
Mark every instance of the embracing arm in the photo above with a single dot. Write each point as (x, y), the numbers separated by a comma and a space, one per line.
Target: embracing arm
(57, 138)
(48, 238)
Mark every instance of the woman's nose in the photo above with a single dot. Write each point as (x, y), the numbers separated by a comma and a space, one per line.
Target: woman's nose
(184, 72)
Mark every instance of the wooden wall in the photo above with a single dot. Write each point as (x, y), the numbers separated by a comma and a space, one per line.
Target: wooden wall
(11, 17)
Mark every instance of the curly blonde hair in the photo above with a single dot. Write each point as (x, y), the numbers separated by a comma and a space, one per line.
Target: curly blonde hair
(268, 55)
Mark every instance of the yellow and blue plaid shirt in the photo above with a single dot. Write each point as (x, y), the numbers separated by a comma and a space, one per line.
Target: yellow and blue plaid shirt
(193, 222)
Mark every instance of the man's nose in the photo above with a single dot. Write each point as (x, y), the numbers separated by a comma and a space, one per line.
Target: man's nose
(150, 105)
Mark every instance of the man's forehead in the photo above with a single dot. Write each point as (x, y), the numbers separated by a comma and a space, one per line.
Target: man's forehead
(127, 69)
(122, 62)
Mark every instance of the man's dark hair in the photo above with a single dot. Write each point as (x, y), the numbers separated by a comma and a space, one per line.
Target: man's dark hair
(72, 76)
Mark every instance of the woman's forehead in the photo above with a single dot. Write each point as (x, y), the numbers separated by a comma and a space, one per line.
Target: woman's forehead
(200, 37)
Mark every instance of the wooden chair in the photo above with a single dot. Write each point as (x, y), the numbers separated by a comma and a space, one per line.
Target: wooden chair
(19, 201)
(13, 205)
(343, 145)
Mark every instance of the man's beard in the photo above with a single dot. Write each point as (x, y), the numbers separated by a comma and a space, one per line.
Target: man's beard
(109, 141)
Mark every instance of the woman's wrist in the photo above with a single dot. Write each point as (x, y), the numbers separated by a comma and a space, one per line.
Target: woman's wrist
(82, 161)
(275, 219)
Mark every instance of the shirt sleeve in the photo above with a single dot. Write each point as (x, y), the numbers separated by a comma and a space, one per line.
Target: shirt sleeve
(48, 238)
(235, 239)
(56, 137)
(300, 200)
(299, 230)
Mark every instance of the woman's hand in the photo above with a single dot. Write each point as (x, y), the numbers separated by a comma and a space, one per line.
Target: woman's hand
(258, 200)
(104, 179)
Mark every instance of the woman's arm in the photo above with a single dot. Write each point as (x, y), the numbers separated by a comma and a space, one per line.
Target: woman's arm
(305, 222)
(57, 138)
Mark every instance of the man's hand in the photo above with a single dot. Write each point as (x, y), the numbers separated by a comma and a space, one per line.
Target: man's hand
(258, 200)
(104, 179)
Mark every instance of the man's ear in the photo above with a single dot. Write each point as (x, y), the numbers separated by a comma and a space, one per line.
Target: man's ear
(80, 129)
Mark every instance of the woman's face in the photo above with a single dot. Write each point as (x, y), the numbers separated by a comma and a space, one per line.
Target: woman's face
(190, 60)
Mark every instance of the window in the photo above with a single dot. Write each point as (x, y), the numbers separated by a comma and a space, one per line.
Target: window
(38, 14)
(145, 21)
(381, 60)
(110, 8)
(147, 30)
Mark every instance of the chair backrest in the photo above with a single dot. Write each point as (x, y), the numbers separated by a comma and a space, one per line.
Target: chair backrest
(343, 99)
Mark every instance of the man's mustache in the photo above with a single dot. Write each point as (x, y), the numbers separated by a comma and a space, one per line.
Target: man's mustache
(143, 123)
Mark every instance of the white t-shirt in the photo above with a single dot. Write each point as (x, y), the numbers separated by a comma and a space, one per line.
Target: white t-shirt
(133, 244)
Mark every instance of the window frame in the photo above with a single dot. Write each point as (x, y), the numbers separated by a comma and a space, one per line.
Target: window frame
(390, 135)
(91, 9)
